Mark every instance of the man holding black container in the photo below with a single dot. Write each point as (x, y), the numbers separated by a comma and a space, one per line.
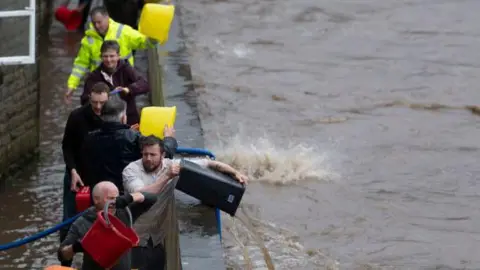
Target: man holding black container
(157, 228)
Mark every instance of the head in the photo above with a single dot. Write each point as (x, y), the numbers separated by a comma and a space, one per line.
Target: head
(152, 153)
(100, 19)
(110, 51)
(99, 96)
(114, 110)
(103, 192)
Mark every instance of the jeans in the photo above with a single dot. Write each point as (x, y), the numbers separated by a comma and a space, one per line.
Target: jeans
(69, 209)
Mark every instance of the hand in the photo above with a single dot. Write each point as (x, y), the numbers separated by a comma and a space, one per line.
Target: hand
(241, 178)
(76, 181)
(135, 127)
(67, 252)
(125, 90)
(68, 96)
(138, 197)
(169, 131)
(174, 170)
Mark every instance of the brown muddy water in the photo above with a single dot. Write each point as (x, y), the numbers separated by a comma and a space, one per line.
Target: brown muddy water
(348, 116)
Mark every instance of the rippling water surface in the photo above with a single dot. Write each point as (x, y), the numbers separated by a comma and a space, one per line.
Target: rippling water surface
(374, 91)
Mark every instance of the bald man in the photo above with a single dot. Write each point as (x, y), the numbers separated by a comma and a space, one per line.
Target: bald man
(137, 203)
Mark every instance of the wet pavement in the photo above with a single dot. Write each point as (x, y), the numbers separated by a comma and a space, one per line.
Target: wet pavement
(34, 194)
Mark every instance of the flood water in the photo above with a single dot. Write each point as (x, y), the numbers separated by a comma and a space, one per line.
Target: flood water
(348, 115)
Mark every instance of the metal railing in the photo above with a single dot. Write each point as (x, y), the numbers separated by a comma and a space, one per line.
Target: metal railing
(45, 233)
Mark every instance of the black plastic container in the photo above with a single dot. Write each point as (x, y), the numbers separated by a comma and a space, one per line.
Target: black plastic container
(213, 188)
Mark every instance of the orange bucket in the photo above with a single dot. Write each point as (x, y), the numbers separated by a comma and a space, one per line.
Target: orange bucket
(70, 18)
(108, 239)
(58, 267)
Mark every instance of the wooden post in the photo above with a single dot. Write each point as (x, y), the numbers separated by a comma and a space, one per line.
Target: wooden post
(155, 74)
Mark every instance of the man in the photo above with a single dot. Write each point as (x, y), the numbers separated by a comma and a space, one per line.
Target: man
(103, 28)
(118, 74)
(152, 173)
(80, 121)
(104, 192)
(108, 150)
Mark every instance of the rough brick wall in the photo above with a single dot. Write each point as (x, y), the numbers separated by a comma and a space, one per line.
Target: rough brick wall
(19, 88)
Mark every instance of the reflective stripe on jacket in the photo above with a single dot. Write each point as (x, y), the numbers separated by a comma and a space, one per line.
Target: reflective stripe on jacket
(89, 56)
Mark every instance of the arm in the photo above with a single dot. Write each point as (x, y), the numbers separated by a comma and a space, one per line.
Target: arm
(170, 144)
(227, 169)
(70, 245)
(137, 40)
(67, 143)
(80, 66)
(132, 182)
(137, 202)
(137, 209)
(139, 84)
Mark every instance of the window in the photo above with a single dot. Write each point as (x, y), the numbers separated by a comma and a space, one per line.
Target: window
(30, 13)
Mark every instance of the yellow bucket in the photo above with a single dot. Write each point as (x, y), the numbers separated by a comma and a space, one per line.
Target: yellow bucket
(155, 21)
(153, 120)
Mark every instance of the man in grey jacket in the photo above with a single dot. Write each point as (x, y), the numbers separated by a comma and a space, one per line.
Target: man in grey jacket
(103, 192)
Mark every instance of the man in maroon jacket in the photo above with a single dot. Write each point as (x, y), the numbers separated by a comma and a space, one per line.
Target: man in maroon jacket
(118, 74)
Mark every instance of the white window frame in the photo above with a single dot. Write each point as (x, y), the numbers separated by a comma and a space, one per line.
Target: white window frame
(27, 12)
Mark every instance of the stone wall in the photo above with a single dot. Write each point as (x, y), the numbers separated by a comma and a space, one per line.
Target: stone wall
(19, 90)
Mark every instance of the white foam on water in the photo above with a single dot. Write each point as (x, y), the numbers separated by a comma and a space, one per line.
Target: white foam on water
(263, 161)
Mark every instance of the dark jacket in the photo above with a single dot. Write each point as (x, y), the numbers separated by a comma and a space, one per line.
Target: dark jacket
(81, 226)
(108, 150)
(80, 122)
(124, 76)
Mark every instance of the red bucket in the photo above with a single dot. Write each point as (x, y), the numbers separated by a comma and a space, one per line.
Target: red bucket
(108, 239)
(82, 199)
(70, 18)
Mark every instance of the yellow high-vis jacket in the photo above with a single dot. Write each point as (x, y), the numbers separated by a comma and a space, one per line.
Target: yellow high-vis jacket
(89, 56)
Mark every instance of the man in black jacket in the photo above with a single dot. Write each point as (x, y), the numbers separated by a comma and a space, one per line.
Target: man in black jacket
(80, 121)
(127, 208)
(108, 150)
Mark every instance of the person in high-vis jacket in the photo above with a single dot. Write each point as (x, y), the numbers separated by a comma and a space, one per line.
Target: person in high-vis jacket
(103, 28)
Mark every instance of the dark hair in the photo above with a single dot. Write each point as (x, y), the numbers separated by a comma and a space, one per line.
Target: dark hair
(100, 88)
(150, 141)
(113, 109)
(100, 9)
(110, 45)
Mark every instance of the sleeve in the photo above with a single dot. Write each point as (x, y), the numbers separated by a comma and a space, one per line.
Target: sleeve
(139, 84)
(202, 162)
(80, 66)
(137, 209)
(86, 159)
(68, 143)
(73, 238)
(137, 40)
(170, 144)
(73, 235)
(131, 181)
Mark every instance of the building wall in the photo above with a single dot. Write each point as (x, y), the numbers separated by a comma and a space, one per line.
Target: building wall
(19, 91)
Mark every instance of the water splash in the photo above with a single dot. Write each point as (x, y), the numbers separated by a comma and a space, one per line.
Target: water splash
(250, 243)
(263, 161)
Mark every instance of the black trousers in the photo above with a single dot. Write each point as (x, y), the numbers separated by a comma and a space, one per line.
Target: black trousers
(149, 257)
